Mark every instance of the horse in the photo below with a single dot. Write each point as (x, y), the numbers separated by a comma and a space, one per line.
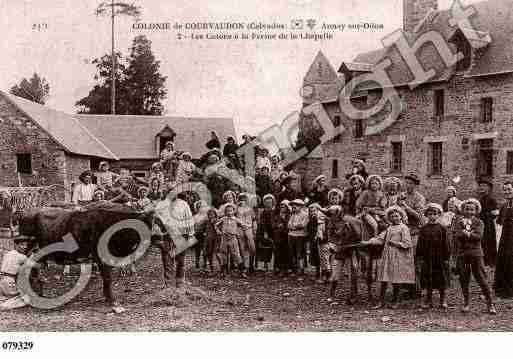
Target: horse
(86, 226)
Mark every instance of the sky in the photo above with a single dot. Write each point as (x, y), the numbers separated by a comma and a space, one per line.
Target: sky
(255, 82)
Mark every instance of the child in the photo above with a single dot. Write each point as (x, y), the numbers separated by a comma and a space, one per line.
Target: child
(186, 169)
(280, 239)
(246, 215)
(228, 198)
(433, 253)
(143, 202)
(468, 231)
(297, 236)
(12, 262)
(104, 177)
(397, 263)
(368, 204)
(265, 231)
(228, 227)
(157, 172)
(352, 193)
(341, 233)
(99, 195)
(320, 254)
(200, 222)
(212, 240)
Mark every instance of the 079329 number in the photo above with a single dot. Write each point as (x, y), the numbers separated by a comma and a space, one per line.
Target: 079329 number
(17, 345)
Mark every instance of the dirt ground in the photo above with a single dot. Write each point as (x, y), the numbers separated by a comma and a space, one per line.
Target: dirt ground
(262, 302)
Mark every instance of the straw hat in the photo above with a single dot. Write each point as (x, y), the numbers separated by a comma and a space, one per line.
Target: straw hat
(357, 177)
(393, 209)
(473, 201)
(435, 206)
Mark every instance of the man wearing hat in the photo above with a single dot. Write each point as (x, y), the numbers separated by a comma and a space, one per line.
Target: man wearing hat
(489, 213)
(413, 203)
(84, 191)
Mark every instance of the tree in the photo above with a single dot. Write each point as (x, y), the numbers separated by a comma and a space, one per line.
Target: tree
(98, 101)
(144, 83)
(140, 86)
(35, 89)
(116, 9)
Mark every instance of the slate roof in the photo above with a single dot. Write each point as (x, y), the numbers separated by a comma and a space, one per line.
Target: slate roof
(494, 17)
(323, 81)
(65, 129)
(133, 137)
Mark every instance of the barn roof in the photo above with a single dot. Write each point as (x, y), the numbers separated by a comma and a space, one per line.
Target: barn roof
(492, 18)
(63, 128)
(133, 137)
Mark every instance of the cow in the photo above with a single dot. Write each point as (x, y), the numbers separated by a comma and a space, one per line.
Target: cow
(86, 227)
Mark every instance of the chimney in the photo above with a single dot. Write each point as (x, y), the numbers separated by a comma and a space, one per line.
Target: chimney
(414, 11)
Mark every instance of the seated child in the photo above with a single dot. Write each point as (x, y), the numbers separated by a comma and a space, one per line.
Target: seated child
(368, 204)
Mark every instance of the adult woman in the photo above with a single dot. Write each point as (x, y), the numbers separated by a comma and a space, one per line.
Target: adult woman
(358, 169)
(319, 192)
(83, 192)
(451, 193)
(213, 142)
(503, 283)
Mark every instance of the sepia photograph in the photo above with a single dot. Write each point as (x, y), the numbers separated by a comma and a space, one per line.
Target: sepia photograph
(298, 166)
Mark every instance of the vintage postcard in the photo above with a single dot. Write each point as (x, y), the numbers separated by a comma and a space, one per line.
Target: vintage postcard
(286, 165)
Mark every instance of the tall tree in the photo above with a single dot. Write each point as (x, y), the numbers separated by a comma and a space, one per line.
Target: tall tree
(35, 89)
(116, 9)
(144, 83)
(140, 86)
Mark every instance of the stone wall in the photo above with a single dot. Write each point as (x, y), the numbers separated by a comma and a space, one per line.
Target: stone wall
(459, 131)
(21, 135)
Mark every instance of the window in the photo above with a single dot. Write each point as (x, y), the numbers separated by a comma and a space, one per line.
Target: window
(509, 162)
(94, 163)
(163, 141)
(24, 163)
(397, 156)
(439, 102)
(436, 158)
(334, 169)
(486, 109)
(336, 122)
(358, 128)
(485, 158)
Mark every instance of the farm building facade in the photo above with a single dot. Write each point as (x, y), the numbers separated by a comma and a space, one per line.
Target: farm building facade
(40, 146)
(457, 124)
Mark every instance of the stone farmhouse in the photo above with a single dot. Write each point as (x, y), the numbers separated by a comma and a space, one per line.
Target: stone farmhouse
(457, 124)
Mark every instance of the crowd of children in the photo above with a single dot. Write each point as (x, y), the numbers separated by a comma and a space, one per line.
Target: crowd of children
(286, 230)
